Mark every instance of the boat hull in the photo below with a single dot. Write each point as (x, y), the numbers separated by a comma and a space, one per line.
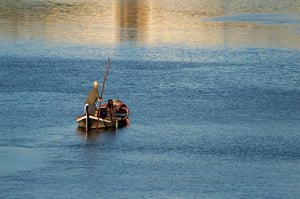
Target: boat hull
(95, 122)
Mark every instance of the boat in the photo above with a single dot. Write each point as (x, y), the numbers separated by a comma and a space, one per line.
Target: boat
(116, 115)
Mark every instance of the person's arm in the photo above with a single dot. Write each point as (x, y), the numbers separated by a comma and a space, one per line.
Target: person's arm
(98, 97)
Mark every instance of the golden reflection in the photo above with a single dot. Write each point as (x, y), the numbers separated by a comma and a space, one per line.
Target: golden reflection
(147, 22)
(131, 18)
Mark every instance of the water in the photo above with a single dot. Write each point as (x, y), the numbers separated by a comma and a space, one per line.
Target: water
(213, 89)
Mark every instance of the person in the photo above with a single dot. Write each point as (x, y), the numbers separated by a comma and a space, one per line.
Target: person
(92, 98)
(110, 108)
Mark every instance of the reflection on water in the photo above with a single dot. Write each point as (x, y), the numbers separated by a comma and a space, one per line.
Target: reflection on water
(105, 135)
(94, 23)
(95, 133)
(131, 18)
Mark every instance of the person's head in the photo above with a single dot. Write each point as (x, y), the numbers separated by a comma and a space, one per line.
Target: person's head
(95, 84)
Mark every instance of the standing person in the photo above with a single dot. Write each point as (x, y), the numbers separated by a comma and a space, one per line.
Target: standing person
(92, 98)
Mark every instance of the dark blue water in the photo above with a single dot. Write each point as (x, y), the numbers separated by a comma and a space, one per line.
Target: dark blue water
(215, 114)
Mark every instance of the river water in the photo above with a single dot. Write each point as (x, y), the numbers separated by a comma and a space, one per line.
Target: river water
(213, 87)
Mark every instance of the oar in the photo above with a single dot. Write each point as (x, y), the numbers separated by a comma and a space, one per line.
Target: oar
(102, 90)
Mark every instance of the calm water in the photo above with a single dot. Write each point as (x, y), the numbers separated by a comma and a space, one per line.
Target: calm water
(213, 87)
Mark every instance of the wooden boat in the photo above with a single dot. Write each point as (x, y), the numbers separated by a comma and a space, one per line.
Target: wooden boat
(117, 116)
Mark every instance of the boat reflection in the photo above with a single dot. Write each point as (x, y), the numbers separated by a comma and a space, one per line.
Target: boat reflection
(95, 133)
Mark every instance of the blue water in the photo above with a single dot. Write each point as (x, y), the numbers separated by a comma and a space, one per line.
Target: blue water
(213, 91)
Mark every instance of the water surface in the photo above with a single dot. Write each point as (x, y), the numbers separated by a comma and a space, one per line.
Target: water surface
(212, 86)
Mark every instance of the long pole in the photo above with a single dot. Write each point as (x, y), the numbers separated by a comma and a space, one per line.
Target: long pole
(106, 73)
(102, 90)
